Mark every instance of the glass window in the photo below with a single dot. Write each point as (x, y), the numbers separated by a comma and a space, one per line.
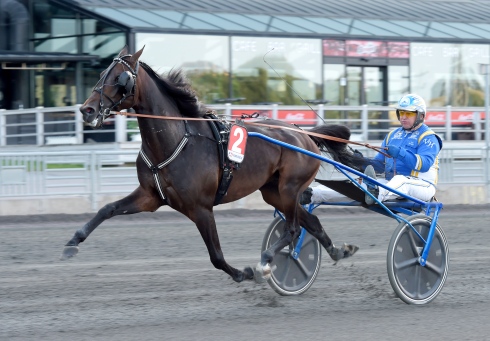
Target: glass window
(220, 22)
(339, 25)
(55, 88)
(104, 45)
(334, 83)
(310, 25)
(437, 32)
(58, 30)
(205, 60)
(457, 32)
(447, 74)
(171, 15)
(405, 31)
(398, 82)
(194, 22)
(478, 32)
(247, 21)
(375, 30)
(154, 17)
(123, 18)
(292, 63)
(265, 19)
(66, 45)
(485, 27)
(289, 26)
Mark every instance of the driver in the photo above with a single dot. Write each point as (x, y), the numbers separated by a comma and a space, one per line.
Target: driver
(413, 166)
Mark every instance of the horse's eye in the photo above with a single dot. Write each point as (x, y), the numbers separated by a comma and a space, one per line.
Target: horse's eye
(117, 79)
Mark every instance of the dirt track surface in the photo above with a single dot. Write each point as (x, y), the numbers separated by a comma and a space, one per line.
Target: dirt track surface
(148, 277)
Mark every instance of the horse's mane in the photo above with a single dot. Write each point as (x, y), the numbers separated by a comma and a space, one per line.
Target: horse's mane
(339, 151)
(176, 86)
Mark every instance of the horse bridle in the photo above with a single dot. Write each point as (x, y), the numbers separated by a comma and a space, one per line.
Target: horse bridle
(126, 80)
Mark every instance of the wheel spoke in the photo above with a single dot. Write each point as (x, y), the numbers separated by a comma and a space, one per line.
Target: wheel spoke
(284, 276)
(283, 252)
(413, 241)
(302, 267)
(292, 276)
(418, 281)
(406, 263)
(434, 268)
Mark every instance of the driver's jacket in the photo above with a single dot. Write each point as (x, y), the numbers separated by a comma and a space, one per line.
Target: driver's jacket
(421, 160)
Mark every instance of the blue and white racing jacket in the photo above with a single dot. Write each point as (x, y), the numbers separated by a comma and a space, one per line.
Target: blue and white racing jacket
(421, 159)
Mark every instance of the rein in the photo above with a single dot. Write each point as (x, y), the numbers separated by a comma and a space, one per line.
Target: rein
(327, 137)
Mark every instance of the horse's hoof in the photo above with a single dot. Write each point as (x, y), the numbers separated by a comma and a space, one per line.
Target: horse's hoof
(338, 253)
(350, 249)
(248, 273)
(262, 272)
(69, 251)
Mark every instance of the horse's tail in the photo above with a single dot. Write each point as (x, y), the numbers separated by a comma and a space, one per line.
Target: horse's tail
(337, 150)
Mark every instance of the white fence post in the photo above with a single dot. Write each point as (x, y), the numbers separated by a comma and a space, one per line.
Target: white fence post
(449, 133)
(320, 115)
(3, 128)
(78, 124)
(39, 126)
(274, 111)
(477, 125)
(364, 123)
(121, 128)
(228, 111)
(93, 180)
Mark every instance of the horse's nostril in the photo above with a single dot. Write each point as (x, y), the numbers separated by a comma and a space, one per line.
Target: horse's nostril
(87, 110)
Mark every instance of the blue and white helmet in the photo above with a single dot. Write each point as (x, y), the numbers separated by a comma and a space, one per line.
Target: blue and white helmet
(413, 103)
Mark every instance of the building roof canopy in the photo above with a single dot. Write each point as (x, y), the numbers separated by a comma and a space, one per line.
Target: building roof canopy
(394, 19)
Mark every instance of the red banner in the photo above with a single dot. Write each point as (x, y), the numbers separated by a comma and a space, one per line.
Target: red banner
(366, 48)
(460, 118)
(333, 48)
(309, 118)
(363, 48)
(398, 50)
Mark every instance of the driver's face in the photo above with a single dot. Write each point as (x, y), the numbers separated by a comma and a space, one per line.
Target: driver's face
(407, 118)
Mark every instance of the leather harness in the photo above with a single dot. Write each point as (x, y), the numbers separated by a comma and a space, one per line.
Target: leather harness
(221, 133)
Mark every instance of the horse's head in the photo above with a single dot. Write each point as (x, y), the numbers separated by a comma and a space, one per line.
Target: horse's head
(115, 90)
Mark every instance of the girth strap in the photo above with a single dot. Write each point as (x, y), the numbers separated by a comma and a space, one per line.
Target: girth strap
(155, 169)
(221, 132)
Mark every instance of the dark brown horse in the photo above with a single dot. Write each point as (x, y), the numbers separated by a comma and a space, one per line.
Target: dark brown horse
(189, 174)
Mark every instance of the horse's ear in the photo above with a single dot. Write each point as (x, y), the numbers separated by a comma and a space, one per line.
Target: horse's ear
(136, 55)
(124, 51)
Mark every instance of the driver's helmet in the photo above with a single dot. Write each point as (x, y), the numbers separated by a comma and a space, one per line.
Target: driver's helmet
(413, 103)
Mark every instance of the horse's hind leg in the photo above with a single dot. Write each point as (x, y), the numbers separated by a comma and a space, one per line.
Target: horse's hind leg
(204, 220)
(312, 224)
(138, 201)
(291, 228)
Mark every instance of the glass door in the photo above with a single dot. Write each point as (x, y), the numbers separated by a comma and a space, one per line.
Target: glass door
(367, 85)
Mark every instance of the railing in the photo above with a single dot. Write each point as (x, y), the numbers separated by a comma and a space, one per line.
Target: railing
(64, 125)
(93, 174)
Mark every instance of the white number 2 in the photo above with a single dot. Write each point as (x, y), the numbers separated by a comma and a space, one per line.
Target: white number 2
(235, 147)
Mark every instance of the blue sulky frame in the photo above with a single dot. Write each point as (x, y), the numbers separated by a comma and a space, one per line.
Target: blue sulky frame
(431, 209)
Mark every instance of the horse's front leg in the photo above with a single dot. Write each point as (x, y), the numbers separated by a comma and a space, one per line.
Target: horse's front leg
(138, 201)
(204, 220)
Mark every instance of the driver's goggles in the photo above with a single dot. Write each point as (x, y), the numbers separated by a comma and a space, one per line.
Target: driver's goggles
(406, 113)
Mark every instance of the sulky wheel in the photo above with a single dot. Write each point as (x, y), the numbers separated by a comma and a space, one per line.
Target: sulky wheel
(292, 276)
(412, 282)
